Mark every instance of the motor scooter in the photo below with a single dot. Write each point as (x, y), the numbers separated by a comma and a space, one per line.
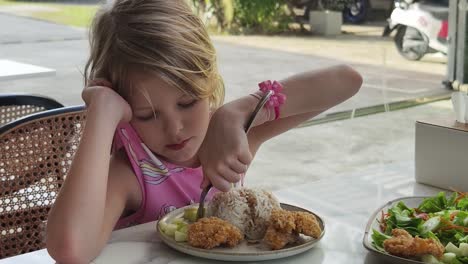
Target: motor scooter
(421, 27)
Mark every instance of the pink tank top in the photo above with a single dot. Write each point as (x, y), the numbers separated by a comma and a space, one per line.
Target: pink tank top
(164, 186)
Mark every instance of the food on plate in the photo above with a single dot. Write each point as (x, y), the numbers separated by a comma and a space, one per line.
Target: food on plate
(211, 232)
(248, 209)
(285, 226)
(177, 229)
(403, 244)
(277, 240)
(434, 232)
(242, 213)
(190, 214)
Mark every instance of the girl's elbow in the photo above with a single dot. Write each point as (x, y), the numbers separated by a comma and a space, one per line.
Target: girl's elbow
(65, 250)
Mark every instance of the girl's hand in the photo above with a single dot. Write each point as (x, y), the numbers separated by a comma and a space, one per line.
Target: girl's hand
(99, 93)
(225, 151)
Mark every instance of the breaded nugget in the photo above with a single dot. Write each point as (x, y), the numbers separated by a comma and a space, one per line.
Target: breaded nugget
(285, 226)
(278, 240)
(283, 220)
(212, 232)
(307, 224)
(404, 245)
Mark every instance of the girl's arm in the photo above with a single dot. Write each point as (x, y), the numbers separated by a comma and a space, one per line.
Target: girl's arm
(90, 203)
(227, 152)
(308, 94)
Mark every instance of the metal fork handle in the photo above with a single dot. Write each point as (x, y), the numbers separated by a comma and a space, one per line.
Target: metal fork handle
(248, 125)
(257, 109)
(201, 206)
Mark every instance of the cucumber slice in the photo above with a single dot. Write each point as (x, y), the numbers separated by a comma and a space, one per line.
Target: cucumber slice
(463, 249)
(177, 221)
(191, 214)
(170, 229)
(448, 257)
(180, 236)
(162, 225)
(430, 259)
(430, 225)
(451, 248)
(183, 229)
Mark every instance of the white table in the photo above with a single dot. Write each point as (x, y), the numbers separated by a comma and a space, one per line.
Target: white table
(344, 202)
(12, 70)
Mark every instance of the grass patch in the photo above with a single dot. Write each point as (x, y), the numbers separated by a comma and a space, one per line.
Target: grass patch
(78, 15)
(6, 2)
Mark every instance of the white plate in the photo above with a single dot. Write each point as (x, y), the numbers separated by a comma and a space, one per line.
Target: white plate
(411, 202)
(243, 251)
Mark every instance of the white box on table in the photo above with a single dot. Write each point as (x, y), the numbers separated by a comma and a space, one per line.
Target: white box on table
(441, 154)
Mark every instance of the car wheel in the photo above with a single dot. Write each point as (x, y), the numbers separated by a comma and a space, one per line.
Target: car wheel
(357, 11)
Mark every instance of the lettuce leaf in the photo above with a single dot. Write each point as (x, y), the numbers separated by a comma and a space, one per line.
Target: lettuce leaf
(378, 239)
(435, 204)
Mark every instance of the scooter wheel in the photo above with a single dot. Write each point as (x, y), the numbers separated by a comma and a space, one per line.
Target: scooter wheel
(411, 43)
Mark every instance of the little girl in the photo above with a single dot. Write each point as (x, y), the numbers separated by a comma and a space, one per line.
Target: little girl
(156, 130)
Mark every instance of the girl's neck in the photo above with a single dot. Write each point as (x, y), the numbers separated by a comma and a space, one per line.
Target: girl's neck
(191, 163)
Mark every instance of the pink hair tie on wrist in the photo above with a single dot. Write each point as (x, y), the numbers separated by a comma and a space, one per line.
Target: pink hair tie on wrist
(277, 99)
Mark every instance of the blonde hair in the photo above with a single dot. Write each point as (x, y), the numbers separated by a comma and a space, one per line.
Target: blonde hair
(156, 36)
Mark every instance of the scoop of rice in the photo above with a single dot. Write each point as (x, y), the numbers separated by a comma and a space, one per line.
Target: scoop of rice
(248, 209)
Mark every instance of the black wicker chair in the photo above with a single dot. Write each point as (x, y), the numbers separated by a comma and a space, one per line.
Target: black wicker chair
(14, 106)
(35, 155)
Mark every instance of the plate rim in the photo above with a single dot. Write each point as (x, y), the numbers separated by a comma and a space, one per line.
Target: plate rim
(265, 255)
(368, 245)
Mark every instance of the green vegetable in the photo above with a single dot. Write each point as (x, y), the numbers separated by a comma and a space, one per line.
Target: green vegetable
(430, 225)
(448, 257)
(463, 249)
(180, 236)
(178, 221)
(170, 229)
(430, 259)
(451, 248)
(177, 229)
(400, 216)
(190, 214)
(463, 204)
(437, 203)
(378, 239)
(461, 218)
(442, 218)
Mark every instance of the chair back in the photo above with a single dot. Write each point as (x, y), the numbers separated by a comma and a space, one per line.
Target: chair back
(15, 106)
(35, 154)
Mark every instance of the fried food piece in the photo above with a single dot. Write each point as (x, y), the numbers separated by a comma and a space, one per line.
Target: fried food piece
(307, 224)
(285, 226)
(283, 220)
(404, 245)
(278, 240)
(211, 232)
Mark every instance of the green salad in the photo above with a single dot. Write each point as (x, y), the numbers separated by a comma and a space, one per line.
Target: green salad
(441, 218)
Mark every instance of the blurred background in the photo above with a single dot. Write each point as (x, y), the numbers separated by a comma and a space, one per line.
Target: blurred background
(404, 60)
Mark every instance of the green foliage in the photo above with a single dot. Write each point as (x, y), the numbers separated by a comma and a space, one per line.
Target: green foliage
(261, 16)
(245, 16)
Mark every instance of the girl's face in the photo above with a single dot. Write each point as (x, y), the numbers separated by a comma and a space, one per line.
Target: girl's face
(171, 123)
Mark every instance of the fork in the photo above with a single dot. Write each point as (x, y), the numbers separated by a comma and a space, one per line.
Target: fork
(261, 103)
